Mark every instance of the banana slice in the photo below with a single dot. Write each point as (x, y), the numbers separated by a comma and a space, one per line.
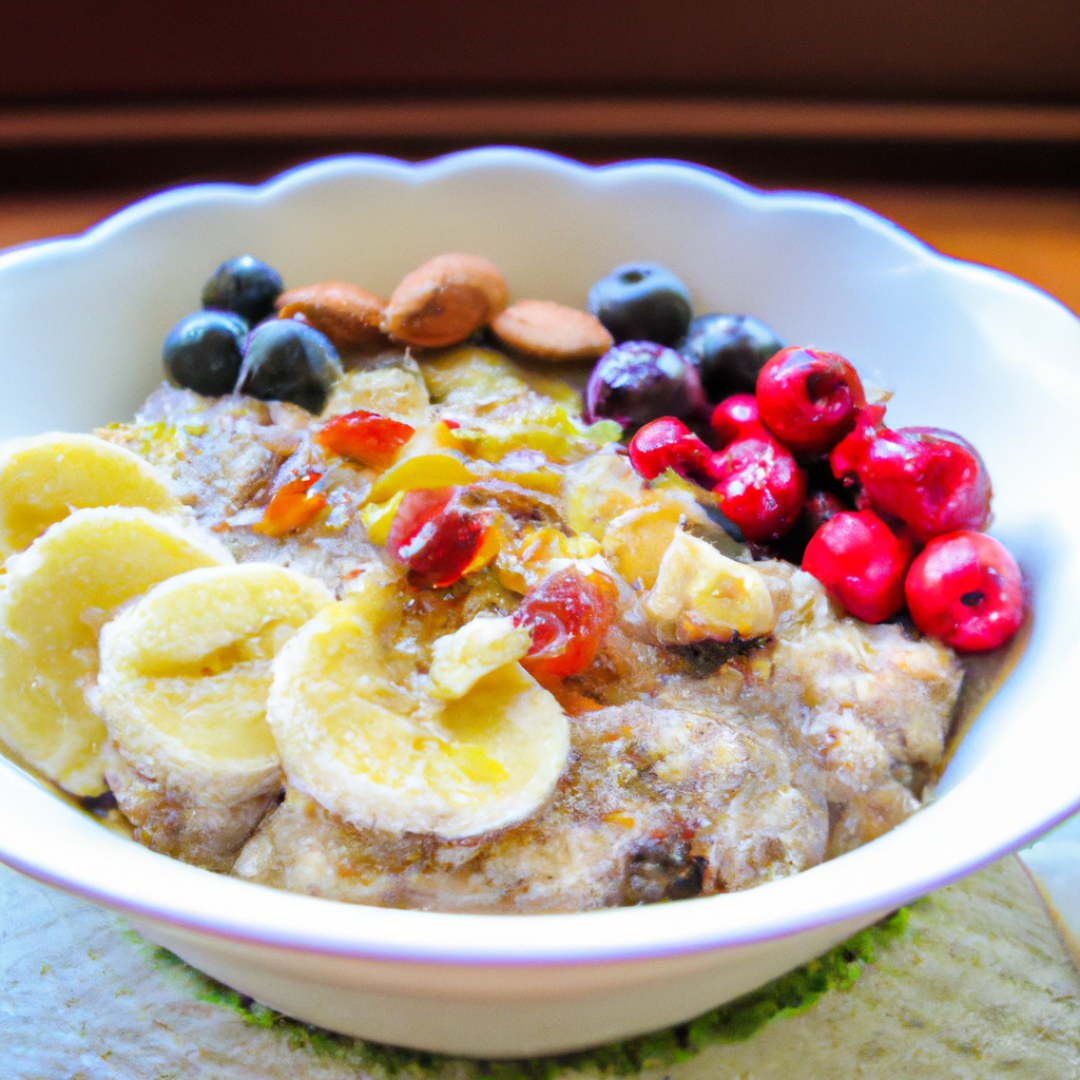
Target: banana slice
(359, 731)
(182, 688)
(45, 477)
(58, 594)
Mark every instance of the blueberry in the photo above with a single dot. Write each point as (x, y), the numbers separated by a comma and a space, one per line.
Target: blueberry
(287, 360)
(639, 381)
(243, 285)
(203, 352)
(729, 351)
(642, 302)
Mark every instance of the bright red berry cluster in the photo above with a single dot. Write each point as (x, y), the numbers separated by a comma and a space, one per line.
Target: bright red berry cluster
(895, 494)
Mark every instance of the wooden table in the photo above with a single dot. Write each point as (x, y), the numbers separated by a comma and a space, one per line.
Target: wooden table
(981, 987)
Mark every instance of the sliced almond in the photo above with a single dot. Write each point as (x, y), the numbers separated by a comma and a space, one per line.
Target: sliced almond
(444, 301)
(348, 315)
(548, 331)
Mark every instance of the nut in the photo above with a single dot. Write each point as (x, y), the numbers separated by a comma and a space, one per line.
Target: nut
(444, 301)
(348, 315)
(548, 331)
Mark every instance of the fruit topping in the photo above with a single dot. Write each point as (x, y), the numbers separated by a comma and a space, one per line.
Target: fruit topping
(567, 614)
(548, 331)
(286, 360)
(759, 486)
(639, 381)
(439, 539)
(729, 351)
(365, 437)
(734, 418)
(966, 589)
(856, 556)
(293, 506)
(809, 399)
(357, 730)
(701, 595)
(245, 286)
(182, 689)
(44, 477)
(668, 443)
(56, 596)
(348, 315)
(203, 352)
(444, 301)
(932, 480)
(484, 644)
(642, 302)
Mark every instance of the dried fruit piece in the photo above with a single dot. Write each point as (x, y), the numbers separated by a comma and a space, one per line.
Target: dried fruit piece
(550, 331)
(45, 477)
(437, 538)
(567, 614)
(444, 301)
(293, 506)
(56, 595)
(365, 437)
(348, 315)
(358, 732)
(702, 595)
(422, 471)
(182, 690)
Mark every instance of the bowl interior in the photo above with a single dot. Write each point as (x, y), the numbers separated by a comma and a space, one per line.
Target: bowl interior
(962, 347)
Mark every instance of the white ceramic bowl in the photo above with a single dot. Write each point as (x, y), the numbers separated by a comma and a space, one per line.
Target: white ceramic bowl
(81, 325)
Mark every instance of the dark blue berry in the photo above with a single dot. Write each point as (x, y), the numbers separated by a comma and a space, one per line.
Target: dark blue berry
(243, 285)
(287, 360)
(642, 302)
(639, 381)
(203, 352)
(729, 351)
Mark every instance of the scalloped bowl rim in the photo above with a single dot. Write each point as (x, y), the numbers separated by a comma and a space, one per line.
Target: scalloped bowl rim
(70, 851)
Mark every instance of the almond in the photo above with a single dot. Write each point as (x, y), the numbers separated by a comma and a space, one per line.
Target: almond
(348, 315)
(548, 331)
(444, 301)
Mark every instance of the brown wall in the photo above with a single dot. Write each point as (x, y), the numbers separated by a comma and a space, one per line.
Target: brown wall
(63, 50)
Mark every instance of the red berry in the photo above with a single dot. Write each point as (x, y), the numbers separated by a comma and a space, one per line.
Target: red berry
(966, 589)
(568, 614)
(856, 556)
(809, 399)
(365, 437)
(734, 418)
(436, 537)
(850, 452)
(667, 443)
(760, 488)
(932, 480)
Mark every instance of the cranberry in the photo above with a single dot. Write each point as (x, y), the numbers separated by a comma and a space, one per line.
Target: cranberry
(760, 487)
(857, 557)
(809, 399)
(820, 506)
(932, 480)
(966, 589)
(667, 443)
(365, 437)
(734, 418)
(568, 614)
(435, 537)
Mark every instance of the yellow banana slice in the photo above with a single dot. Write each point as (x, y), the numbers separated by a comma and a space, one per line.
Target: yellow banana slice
(45, 477)
(58, 594)
(360, 733)
(182, 688)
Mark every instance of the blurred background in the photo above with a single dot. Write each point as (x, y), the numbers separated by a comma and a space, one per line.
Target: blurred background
(959, 118)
